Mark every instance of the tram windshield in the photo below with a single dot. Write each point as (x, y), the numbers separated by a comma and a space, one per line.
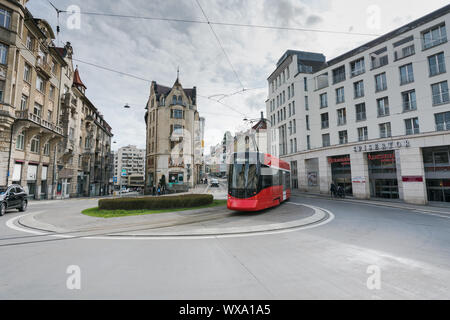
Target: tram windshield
(243, 176)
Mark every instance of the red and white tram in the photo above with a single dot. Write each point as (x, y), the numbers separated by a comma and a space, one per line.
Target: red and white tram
(257, 181)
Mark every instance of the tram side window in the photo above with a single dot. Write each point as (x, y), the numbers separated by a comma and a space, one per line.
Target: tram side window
(266, 177)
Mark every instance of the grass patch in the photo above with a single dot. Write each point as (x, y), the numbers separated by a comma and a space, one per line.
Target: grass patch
(96, 212)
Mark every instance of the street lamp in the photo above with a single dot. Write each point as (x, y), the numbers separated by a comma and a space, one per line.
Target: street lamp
(126, 106)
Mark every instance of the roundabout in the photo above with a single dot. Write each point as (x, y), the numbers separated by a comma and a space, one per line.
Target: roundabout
(191, 224)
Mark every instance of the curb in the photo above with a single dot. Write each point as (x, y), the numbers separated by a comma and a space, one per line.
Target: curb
(376, 203)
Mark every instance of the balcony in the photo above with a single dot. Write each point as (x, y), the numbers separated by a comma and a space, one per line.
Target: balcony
(176, 162)
(44, 67)
(25, 115)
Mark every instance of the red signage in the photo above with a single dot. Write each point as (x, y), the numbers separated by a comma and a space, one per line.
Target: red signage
(382, 157)
(412, 179)
(345, 160)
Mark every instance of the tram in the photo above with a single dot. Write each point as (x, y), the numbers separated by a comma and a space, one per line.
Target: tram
(257, 181)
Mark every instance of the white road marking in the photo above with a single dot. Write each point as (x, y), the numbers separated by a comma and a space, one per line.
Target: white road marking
(10, 224)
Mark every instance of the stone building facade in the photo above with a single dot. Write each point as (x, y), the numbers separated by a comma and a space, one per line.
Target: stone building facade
(85, 163)
(174, 137)
(30, 72)
(39, 105)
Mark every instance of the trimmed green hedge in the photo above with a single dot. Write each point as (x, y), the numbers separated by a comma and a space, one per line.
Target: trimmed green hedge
(156, 203)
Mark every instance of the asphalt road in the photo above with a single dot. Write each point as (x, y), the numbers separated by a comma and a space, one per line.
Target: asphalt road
(404, 255)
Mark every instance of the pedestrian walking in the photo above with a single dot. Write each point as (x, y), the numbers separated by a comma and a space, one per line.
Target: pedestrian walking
(340, 192)
(333, 190)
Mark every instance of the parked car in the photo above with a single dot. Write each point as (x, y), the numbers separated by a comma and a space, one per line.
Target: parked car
(215, 183)
(13, 197)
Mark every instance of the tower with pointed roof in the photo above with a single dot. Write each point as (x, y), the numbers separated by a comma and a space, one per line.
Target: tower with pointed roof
(174, 145)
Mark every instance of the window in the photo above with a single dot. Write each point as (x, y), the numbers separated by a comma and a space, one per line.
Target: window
(24, 103)
(409, 100)
(51, 93)
(442, 121)
(326, 140)
(436, 64)
(359, 89)
(177, 129)
(412, 126)
(295, 144)
(307, 123)
(177, 114)
(290, 110)
(341, 117)
(293, 107)
(361, 112)
(324, 120)
(292, 90)
(54, 66)
(20, 141)
(5, 18)
(40, 84)
(323, 100)
(343, 137)
(339, 75)
(29, 43)
(37, 109)
(294, 123)
(434, 37)
(380, 82)
(306, 103)
(3, 54)
(2, 89)
(71, 133)
(440, 93)
(383, 107)
(385, 130)
(363, 134)
(357, 67)
(406, 74)
(305, 83)
(340, 95)
(27, 73)
(49, 116)
(47, 149)
(308, 142)
(35, 144)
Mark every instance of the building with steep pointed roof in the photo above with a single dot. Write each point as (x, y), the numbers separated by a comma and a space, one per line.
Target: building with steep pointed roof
(174, 146)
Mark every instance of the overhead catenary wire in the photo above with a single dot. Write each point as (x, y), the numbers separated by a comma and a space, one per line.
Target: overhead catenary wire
(220, 45)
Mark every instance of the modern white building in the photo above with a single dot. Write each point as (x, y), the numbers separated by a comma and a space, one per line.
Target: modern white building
(375, 120)
(131, 159)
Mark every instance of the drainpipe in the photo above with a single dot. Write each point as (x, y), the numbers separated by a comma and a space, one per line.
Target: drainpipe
(10, 151)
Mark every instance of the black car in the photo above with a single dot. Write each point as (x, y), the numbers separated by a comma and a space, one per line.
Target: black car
(12, 197)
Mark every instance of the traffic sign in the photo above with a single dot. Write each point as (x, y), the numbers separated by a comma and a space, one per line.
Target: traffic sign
(124, 173)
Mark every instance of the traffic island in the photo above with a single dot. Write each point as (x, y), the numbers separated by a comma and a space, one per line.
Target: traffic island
(102, 213)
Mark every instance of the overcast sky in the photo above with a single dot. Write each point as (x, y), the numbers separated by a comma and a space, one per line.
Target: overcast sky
(154, 49)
